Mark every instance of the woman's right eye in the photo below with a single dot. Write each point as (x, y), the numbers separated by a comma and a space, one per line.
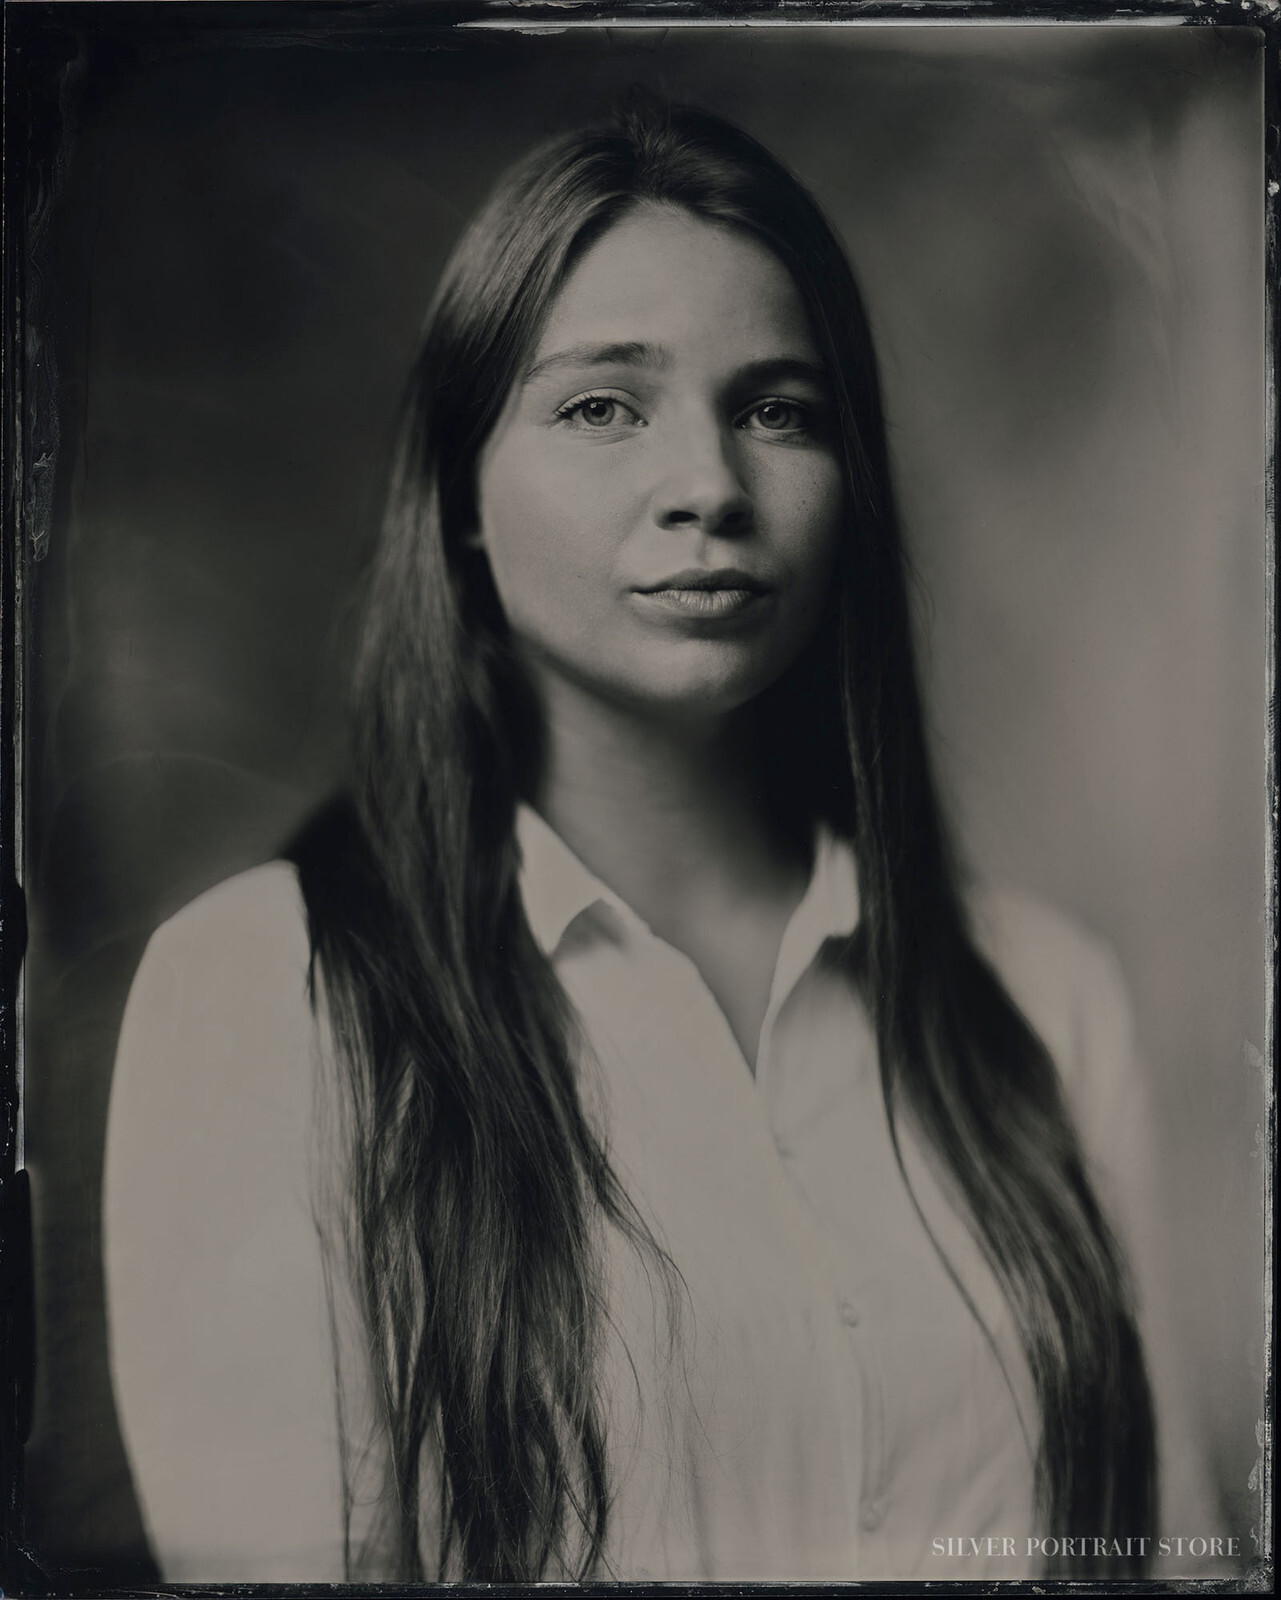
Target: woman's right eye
(599, 412)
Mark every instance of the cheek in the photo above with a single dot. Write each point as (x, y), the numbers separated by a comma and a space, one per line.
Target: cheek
(543, 530)
(810, 512)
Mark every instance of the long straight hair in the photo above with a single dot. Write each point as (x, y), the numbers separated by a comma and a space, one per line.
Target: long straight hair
(477, 1185)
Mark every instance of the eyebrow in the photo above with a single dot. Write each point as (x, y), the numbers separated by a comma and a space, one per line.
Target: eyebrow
(625, 353)
(631, 353)
(782, 369)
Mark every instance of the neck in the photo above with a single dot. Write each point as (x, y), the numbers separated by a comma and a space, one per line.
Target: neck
(663, 809)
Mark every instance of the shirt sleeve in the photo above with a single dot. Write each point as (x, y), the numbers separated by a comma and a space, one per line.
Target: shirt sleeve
(1070, 987)
(220, 1348)
(1111, 1103)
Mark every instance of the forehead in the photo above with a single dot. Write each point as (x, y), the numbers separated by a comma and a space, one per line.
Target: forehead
(663, 275)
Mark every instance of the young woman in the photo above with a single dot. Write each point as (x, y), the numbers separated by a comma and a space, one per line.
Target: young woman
(612, 1145)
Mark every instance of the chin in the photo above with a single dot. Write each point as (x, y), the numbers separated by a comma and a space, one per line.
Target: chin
(700, 694)
(706, 682)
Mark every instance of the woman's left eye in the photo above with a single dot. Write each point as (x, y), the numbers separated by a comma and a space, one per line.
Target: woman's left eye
(778, 416)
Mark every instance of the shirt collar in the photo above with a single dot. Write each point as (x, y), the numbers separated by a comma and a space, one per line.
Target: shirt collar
(554, 884)
(557, 888)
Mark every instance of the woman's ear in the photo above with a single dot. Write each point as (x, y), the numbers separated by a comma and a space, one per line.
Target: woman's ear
(474, 538)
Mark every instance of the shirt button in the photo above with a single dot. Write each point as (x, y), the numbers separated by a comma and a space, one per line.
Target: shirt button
(873, 1516)
(848, 1312)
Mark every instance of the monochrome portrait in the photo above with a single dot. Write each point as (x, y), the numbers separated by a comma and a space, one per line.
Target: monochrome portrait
(643, 799)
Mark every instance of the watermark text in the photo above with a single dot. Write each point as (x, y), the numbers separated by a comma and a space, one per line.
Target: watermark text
(1087, 1547)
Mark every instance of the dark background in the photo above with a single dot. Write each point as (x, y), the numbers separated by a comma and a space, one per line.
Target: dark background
(1059, 235)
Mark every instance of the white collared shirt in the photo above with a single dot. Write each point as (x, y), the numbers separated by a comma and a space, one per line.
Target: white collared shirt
(831, 1407)
(838, 1405)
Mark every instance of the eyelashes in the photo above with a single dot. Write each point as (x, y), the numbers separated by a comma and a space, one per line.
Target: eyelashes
(782, 416)
(606, 413)
(599, 412)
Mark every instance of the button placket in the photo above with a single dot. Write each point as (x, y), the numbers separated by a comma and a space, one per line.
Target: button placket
(863, 1348)
(871, 1509)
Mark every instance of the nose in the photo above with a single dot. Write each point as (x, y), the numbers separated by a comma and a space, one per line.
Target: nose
(699, 483)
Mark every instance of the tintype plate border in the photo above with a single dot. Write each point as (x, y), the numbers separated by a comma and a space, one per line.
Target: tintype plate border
(39, 67)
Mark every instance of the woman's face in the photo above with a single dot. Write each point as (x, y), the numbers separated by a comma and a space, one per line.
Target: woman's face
(660, 500)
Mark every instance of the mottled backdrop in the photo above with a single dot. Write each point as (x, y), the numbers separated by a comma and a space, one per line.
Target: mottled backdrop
(1060, 239)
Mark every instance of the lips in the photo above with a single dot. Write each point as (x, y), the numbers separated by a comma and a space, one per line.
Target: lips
(707, 580)
(703, 592)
